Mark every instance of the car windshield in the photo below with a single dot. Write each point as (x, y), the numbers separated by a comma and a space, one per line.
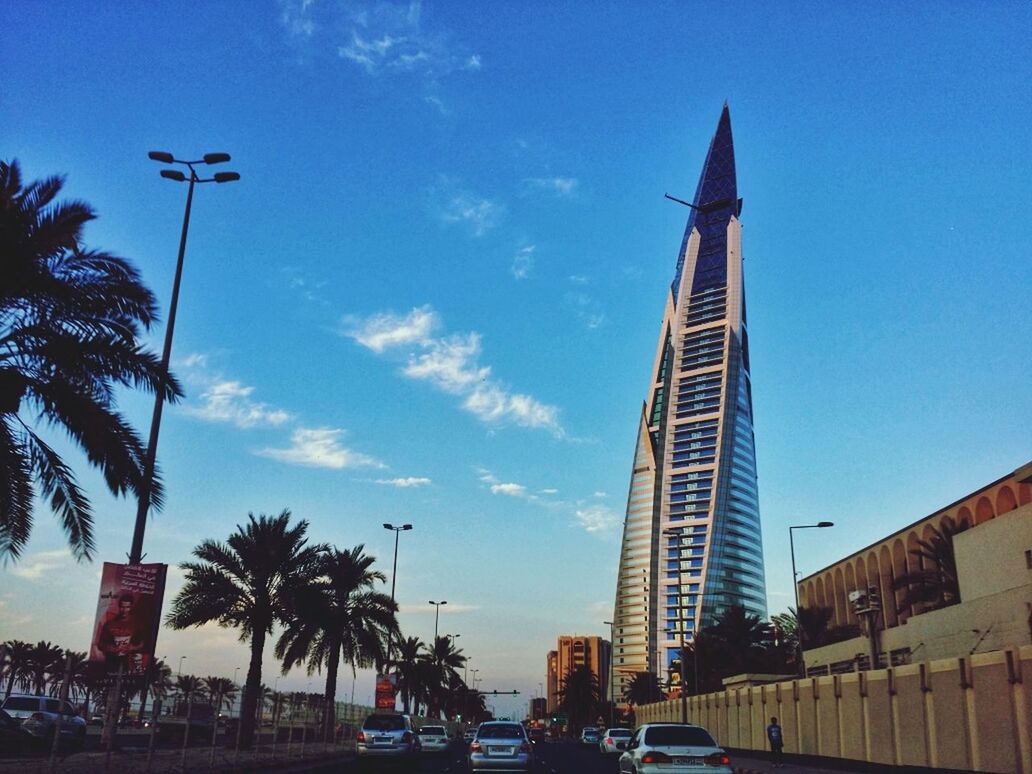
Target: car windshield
(501, 731)
(678, 736)
(21, 704)
(384, 723)
(619, 732)
(432, 731)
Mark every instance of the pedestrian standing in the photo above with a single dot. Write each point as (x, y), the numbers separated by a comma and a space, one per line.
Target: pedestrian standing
(777, 741)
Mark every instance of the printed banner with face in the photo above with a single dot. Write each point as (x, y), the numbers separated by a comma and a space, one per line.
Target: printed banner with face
(386, 691)
(128, 616)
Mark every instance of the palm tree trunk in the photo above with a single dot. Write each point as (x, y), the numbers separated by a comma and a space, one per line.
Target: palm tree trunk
(329, 710)
(143, 694)
(249, 701)
(10, 684)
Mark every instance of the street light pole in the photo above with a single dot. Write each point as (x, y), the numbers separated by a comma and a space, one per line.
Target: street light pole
(147, 482)
(179, 671)
(394, 576)
(795, 575)
(437, 616)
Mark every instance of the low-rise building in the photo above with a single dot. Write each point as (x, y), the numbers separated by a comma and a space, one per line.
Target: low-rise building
(990, 565)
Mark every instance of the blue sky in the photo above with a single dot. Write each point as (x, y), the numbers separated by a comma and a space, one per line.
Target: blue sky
(434, 296)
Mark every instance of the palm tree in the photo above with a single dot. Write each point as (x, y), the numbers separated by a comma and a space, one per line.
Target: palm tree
(933, 580)
(188, 687)
(643, 688)
(579, 696)
(70, 324)
(43, 663)
(339, 616)
(14, 662)
(247, 583)
(443, 664)
(156, 680)
(408, 653)
(221, 692)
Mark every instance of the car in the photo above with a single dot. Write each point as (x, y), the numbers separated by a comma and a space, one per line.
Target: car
(388, 736)
(501, 746)
(13, 738)
(434, 738)
(536, 734)
(589, 735)
(469, 734)
(673, 748)
(614, 740)
(43, 716)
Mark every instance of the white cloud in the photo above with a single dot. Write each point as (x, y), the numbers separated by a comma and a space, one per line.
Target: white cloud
(404, 483)
(601, 494)
(391, 38)
(320, 448)
(597, 518)
(512, 490)
(450, 363)
(478, 214)
(296, 18)
(587, 309)
(194, 360)
(549, 491)
(40, 565)
(578, 279)
(523, 262)
(561, 186)
(382, 331)
(451, 607)
(230, 401)
(438, 103)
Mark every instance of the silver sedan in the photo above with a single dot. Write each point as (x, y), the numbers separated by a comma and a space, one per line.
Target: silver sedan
(501, 746)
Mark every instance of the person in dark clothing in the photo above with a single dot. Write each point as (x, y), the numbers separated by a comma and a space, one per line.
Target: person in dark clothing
(777, 741)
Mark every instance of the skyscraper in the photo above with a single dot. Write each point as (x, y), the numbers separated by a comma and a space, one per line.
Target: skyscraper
(694, 471)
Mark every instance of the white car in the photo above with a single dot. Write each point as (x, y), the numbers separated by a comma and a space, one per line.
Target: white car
(673, 748)
(434, 738)
(43, 717)
(614, 740)
(589, 735)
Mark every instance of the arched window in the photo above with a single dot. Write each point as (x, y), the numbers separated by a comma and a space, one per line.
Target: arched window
(983, 511)
(1005, 500)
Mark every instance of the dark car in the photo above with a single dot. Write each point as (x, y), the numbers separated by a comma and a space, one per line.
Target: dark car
(14, 738)
(536, 735)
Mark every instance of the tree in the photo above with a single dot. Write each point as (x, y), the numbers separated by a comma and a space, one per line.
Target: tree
(579, 696)
(156, 680)
(70, 326)
(932, 580)
(643, 688)
(43, 662)
(221, 692)
(339, 615)
(408, 653)
(14, 662)
(443, 664)
(247, 583)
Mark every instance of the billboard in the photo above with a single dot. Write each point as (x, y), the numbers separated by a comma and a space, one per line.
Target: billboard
(385, 693)
(128, 614)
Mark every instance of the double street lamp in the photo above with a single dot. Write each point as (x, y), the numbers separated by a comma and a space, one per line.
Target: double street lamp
(394, 574)
(437, 616)
(147, 483)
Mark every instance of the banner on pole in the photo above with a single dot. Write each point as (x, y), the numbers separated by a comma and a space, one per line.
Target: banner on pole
(128, 615)
(385, 693)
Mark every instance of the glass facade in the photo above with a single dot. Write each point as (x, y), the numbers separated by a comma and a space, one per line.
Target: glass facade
(691, 546)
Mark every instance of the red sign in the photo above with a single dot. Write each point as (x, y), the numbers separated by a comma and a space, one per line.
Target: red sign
(128, 615)
(385, 693)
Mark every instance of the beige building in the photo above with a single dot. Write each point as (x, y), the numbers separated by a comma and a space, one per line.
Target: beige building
(994, 571)
(575, 651)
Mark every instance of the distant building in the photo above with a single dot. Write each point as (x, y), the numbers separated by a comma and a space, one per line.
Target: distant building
(538, 708)
(993, 558)
(691, 540)
(575, 651)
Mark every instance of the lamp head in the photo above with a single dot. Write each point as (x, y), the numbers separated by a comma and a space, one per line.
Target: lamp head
(388, 526)
(215, 158)
(226, 177)
(825, 524)
(406, 526)
(173, 174)
(162, 156)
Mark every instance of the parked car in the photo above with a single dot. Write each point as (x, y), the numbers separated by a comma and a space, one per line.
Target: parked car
(501, 746)
(13, 738)
(673, 748)
(43, 717)
(536, 734)
(589, 735)
(469, 734)
(434, 738)
(388, 736)
(614, 740)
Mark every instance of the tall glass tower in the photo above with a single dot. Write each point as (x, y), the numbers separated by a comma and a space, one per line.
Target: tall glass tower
(691, 541)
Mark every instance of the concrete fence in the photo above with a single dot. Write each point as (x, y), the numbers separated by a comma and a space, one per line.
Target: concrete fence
(960, 713)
